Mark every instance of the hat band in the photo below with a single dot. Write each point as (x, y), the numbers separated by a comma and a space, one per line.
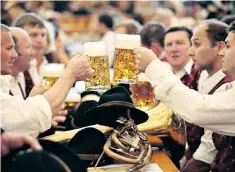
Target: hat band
(88, 156)
(122, 103)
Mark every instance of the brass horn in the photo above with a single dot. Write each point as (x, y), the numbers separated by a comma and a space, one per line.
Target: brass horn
(163, 123)
(129, 146)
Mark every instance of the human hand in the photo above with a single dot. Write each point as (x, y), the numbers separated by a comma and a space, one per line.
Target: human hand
(10, 141)
(144, 57)
(59, 117)
(79, 68)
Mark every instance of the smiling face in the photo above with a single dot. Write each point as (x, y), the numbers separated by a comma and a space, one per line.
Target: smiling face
(228, 55)
(24, 49)
(176, 45)
(8, 53)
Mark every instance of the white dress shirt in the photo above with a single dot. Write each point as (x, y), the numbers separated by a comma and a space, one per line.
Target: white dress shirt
(25, 117)
(35, 75)
(109, 39)
(215, 112)
(206, 152)
(14, 85)
(186, 70)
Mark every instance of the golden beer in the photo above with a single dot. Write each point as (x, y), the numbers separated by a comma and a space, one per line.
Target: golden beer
(51, 73)
(143, 94)
(124, 64)
(100, 80)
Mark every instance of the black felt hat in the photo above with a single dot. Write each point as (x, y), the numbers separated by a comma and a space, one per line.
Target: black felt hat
(113, 104)
(67, 156)
(36, 161)
(78, 116)
(88, 144)
(85, 93)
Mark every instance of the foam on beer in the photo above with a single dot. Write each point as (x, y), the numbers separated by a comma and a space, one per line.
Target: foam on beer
(142, 78)
(53, 70)
(95, 48)
(124, 41)
(73, 97)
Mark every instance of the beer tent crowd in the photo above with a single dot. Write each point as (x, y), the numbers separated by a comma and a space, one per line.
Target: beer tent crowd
(187, 55)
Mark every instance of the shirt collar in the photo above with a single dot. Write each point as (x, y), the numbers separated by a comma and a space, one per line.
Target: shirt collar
(108, 34)
(210, 82)
(186, 70)
(33, 62)
(233, 84)
(5, 83)
(188, 67)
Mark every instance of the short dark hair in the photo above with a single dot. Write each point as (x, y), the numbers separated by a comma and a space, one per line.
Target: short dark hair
(216, 31)
(152, 31)
(228, 19)
(180, 28)
(107, 20)
(231, 27)
(139, 18)
(4, 28)
(29, 19)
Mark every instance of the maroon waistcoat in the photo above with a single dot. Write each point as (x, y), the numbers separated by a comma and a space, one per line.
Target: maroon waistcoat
(29, 84)
(194, 132)
(225, 158)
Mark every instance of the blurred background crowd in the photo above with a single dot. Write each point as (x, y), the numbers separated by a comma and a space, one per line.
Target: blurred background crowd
(71, 23)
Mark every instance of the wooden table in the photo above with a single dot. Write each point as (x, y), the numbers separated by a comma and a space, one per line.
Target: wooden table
(164, 162)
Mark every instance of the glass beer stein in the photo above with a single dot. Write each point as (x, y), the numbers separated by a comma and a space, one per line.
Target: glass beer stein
(124, 65)
(100, 80)
(143, 94)
(51, 73)
(71, 102)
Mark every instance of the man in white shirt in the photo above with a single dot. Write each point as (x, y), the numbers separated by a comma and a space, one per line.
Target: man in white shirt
(177, 42)
(23, 46)
(205, 54)
(105, 26)
(33, 115)
(214, 112)
(38, 33)
(176, 45)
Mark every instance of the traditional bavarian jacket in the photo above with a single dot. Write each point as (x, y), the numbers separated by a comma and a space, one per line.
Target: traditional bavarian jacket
(29, 84)
(209, 85)
(225, 158)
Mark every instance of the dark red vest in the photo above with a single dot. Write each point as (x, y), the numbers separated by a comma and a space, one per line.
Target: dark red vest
(194, 132)
(29, 84)
(225, 158)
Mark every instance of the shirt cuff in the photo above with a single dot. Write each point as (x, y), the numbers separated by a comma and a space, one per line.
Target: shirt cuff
(160, 77)
(43, 111)
(203, 155)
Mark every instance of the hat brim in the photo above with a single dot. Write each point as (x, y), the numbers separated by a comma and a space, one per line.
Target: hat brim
(72, 160)
(108, 115)
(83, 142)
(36, 161)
